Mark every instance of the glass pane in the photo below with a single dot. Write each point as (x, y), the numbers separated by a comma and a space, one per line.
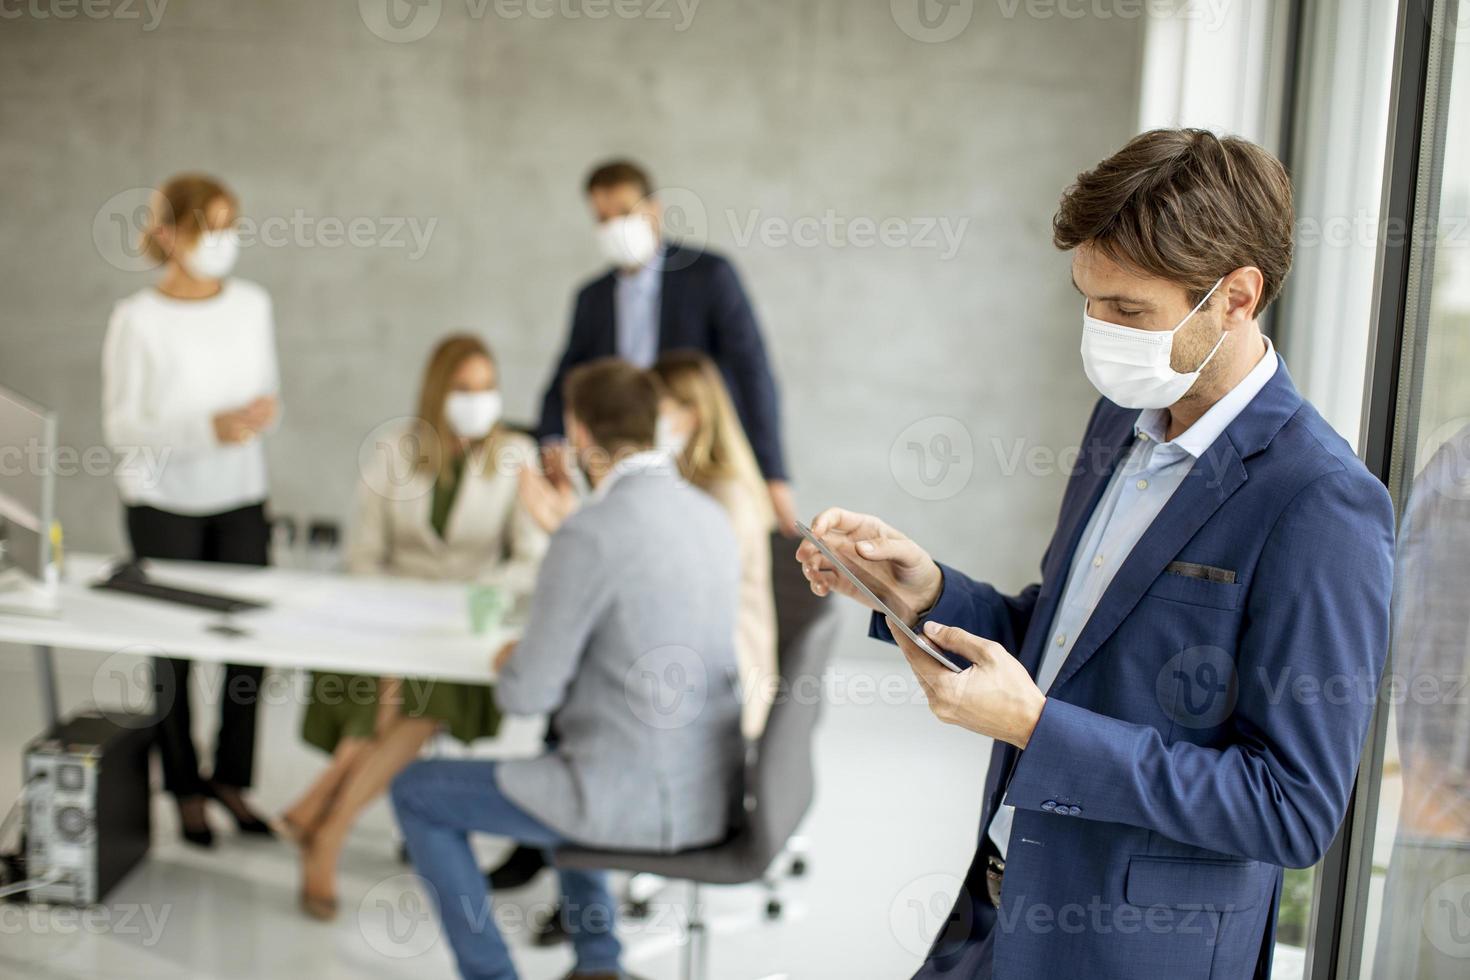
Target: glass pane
(1418, 922)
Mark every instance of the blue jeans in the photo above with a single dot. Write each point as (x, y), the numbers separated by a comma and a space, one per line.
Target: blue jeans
(439, 802)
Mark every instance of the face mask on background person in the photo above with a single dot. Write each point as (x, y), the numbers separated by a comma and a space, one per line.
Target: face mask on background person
(1131, 366)
(214, 255)
(668, 439)
(472, 414)
(628, 241)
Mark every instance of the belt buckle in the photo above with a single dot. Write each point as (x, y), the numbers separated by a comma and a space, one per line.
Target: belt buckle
(995, 873)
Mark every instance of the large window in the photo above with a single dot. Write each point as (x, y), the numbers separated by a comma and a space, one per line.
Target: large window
(1413, 850)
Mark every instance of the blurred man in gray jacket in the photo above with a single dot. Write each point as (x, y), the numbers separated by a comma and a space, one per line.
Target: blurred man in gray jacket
(630, 650)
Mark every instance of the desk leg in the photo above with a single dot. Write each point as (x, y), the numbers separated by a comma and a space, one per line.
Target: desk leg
(46, 675)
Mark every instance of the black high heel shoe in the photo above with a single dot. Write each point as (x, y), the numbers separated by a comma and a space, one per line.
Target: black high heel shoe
(249, 822)
(200, 836)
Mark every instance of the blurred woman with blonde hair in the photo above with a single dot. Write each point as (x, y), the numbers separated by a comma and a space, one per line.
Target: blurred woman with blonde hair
(698, 424)
(454, 516)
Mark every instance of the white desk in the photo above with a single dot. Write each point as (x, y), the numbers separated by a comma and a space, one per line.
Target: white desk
(321, 621)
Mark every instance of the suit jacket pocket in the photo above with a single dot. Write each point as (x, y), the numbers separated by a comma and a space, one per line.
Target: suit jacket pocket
(1196, 591)
(1193, 883)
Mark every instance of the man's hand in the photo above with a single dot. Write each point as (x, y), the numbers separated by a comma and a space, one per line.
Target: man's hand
(995, 696)
(897, 570)
(502, 657)
(548, 500)
(783, 502)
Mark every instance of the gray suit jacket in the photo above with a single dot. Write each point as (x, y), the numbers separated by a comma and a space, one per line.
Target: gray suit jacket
(630, 646)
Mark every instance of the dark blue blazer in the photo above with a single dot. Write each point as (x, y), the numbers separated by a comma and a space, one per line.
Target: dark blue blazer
(702, 307)
(1203, 733)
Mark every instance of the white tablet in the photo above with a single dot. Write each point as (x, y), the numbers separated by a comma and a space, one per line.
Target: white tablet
(851, 576)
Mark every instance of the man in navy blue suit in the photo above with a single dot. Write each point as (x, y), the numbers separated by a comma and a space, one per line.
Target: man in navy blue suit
(1179, 706)
(659, 296)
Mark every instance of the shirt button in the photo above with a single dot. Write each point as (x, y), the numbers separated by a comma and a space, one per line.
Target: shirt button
(1097, 562)
(1061, 639)
(1143, 484)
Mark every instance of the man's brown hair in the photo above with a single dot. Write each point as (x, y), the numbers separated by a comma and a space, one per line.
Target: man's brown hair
(616, 173)
(1187, 206)
(615, 401)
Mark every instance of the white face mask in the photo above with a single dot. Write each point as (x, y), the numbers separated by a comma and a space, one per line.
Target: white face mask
(668, 439)
(472, 414)
(1131, 366)
(214, 255)
(627, 242)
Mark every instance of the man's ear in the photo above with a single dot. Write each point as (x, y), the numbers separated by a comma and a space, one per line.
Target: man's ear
(1242, 290)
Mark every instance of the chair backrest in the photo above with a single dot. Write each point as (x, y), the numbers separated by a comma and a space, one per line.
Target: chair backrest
(780, 780)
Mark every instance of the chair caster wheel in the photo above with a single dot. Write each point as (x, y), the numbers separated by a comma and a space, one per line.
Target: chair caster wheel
(773, 909)
(798, 867)
(638, 910)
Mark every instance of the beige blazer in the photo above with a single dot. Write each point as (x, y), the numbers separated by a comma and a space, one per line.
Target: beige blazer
(489, 539)
(755, 625)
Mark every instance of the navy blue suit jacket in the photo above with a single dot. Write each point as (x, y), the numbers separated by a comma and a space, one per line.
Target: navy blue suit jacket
(1202, 733)
(702, 307)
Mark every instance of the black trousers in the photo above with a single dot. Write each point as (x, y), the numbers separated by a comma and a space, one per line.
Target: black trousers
(240, 537)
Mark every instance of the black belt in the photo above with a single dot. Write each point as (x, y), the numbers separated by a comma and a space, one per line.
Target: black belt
(995, 870)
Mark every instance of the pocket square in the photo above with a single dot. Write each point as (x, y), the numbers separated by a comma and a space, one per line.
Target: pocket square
(1209, 573)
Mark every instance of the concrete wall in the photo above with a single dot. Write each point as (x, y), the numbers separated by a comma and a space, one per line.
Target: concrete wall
(787, 130)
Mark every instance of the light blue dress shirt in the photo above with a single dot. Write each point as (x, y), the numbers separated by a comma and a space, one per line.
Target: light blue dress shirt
(1140, 487)
(636, 312)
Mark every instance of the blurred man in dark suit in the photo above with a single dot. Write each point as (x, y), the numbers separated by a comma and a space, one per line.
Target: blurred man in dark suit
(658, 296)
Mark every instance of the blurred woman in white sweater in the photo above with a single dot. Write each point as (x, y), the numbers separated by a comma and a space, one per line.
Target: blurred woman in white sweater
(189, 375)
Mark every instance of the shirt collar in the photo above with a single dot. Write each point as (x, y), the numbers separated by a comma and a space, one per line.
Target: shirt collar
(1153, 423)
(649, 460)
(646, 275)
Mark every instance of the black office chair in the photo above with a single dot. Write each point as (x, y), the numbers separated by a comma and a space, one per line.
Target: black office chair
(779, 779)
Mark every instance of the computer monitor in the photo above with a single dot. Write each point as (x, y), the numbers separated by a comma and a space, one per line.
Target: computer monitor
(29, 577)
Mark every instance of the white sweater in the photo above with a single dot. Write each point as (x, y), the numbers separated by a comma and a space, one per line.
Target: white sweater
(168, 367)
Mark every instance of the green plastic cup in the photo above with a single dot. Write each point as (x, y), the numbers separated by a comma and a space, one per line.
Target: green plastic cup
(488, 606)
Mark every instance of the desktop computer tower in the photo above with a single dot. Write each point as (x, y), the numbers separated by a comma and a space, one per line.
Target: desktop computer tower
(86, 813)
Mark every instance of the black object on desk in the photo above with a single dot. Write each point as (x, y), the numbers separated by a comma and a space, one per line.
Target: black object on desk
(131, 578)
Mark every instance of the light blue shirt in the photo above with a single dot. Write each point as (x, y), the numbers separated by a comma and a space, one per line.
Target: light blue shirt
(635, 312)
(1140, 487)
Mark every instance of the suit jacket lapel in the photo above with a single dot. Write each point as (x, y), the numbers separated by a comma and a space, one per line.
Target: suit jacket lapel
(1217, 474)
(605, 341)
(1211, 480)
(670, 292)
(1095, 465)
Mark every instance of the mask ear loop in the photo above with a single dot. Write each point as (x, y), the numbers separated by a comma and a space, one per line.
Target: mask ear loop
(1198, 306)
